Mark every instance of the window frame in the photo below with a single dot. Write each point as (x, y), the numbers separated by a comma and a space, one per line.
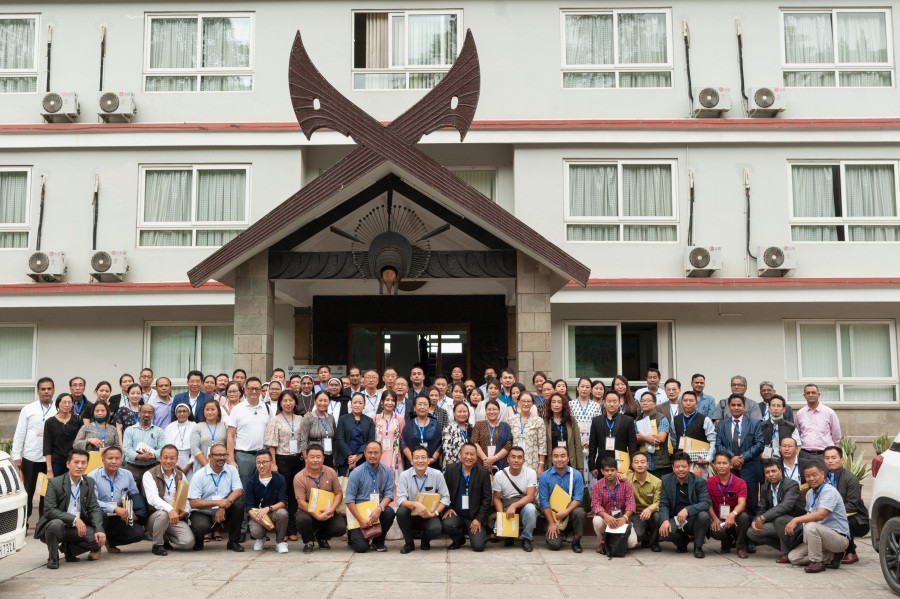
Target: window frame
(841, 381)
(617, 68)
(20, 227)
(843, 221)
(23, 383)
(181, 379)
(836, 67)
(194, 226)
(404, 69)
(14, 73)
(494, 170)
(619, 220)
(665, 344)
(199, 71)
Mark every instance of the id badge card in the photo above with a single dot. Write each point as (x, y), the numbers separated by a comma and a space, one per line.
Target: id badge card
(376, 498)
(767, 453)
(610, 444)
(292, 446)
(216, 497)
(724, 511)
(492, 449)
(465, 502)
(681, 443)
(616, 514)
(326, 444)
(560, 443)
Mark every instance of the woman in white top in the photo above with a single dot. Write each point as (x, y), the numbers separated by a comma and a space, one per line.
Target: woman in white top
(234, 394)
(178, 433)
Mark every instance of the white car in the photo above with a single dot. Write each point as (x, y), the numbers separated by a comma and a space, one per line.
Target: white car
(885, 513)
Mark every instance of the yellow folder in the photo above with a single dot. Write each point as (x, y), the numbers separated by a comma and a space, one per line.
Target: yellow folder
(319, 500)
(95, 460)
(365, 510)
(504, 527)
(695, 445)
(624, 461)
(559, 500)
(42, 482)
(646, 447)
(429, 500)
(181, 493)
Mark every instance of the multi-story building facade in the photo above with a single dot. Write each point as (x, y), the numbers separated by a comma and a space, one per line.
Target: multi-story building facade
(584, 131)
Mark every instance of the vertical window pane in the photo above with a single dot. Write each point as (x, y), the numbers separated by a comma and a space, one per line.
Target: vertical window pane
(862, 37)
(221, 195)
(226, 83)
(642, 38)
(647, 190)
(640, 348)
(432, 39)
(165, 238)
(480, 179)
(589, 40)
(17, 39)
(214, 238)
(186, 83)
(17, 349)
(592, 351)
(813, 191)
(398, 41)
(13, 197)
(173, 349)
(167, 196)
(865, 350)
(226, 42)
(870, 190)
(818, 351)
(593, 190)
(808, 38)
(216, 348)
(173, 43)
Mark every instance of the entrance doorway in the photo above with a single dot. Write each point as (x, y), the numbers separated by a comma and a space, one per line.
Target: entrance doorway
(437, 347)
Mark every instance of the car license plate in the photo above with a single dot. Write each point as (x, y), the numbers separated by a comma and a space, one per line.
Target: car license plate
(7, 548)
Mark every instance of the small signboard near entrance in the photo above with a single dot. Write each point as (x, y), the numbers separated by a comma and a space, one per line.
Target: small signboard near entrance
(312, 370)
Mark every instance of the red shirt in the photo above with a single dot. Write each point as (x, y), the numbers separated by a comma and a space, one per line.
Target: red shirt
(727, 494)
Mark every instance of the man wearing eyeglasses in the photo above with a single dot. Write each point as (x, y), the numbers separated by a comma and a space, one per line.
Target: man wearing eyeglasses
(216, 495)
(246, 429)
(738, 385)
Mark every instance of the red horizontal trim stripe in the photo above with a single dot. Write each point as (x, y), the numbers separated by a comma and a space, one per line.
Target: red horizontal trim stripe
(54, 288)
(719, 283)
(487, 125)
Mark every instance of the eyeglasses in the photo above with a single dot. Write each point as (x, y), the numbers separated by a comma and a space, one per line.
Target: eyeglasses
(254, 389)
(233, 392)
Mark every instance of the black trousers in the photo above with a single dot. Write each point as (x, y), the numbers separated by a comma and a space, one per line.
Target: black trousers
(737, 533)
(201, 522)
(358, 542)
(457, 526)
(30, 472)
(119, 533)
(696, 526)
(288, 467)
(752, 500)
(647, 531)
(58, 532)
(311, 529)
(430, 527)
(856, 530)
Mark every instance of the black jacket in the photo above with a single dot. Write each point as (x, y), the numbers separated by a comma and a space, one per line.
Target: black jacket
(790, 503)
(345, 429)
(851, 492)
(623, 432)
(479, 490)
(56, 504)
(698, 496)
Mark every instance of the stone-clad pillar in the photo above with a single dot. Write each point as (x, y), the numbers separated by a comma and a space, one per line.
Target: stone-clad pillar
(254, 317)
(535, 283)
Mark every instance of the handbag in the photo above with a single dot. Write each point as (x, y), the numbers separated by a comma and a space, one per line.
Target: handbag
(616, 544)
(371, 532)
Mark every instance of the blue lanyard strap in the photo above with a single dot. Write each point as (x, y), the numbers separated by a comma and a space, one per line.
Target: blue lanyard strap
(774, 433)
(372, 472)
(614, 495)
(466, 478)
(215, 480)
(463, 431)
(291, 421)
(610, 425)
(791, 473)
(47, 411)
(111, 481)
(523, 424)
(685, 422)
(169, 484)
(318, 481)
(212, 432)
(324, 423)
(76, 496)
(101, 433)
(491, 432)
(562, 430)
(815, 500)
(726, 488)
(424, 480)
(421, 430)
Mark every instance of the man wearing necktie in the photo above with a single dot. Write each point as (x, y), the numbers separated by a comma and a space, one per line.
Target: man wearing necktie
(741, 438)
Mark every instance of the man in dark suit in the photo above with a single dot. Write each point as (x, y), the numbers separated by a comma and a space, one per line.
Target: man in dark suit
(684, 506)
(612, 431)
(71, 515)
(194, 397)
(851, 492)
(741, 438)
(470, 500)
(779, 502)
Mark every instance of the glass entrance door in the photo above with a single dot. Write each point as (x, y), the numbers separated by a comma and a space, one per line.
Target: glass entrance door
(437, 347)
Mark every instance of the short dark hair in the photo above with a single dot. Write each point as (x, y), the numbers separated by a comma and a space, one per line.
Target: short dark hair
(295, 376)
(325, 366)
(652, 369)
(252, 379)
(771, 462)
(563, 447)
(776, 396)
(608, 462)
(515, 448)
(76, 452)
(62, 395)
(237, 370)
(814, 464)
(467, 444)
(689, 392)
(281, 370)
(737, 396)
(418, 449)
(315, 447)
(680, 456)
(218, 408)
(834, 447)
(262, 452)
(167, 446)
(45, 379)
(194, 373)
(121, 378)
(676, 381)
(76, 378)
(147, 369)
(721, 454)
(698, 374)
(508, 371)
(101, 383)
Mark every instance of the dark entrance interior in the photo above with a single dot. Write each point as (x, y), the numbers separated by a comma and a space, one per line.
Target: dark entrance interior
(396, 331)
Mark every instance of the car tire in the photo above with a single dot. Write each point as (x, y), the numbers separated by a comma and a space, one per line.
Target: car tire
(889, 553)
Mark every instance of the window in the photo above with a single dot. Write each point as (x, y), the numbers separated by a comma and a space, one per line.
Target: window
(206, 52)
(851, 361)
(174, 349)
(621, 201)
(403, 50)
(17, 346)
(204, 206)
(848, 201)
(14, 191)
(837, 48)
(18, 54)
(605, 349)
(617, 49)
(482, 179)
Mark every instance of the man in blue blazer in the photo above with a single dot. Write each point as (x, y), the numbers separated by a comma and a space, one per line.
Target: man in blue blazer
(741, 438)
(194, 397)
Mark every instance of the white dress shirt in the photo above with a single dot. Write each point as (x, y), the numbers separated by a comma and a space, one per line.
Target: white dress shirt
(28, 440)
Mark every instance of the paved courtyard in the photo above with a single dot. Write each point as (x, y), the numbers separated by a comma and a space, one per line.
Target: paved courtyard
(498, 572)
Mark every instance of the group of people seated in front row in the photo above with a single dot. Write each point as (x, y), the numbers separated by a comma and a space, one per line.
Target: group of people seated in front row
(482, 464)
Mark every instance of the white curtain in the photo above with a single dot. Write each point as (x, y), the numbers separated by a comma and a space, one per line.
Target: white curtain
(17, 39)
(173, 349)
(215, 238)
(167, 199)
(173, 43)
(377, 40)
(481, 179)
(226, 83)
(813, 189)
(870, 190)
(588, 80)
(592, 232)
(862, 37)
(221, 195)
(651, 79)
(865, 350)
(432, 39)
(818, 351)
(226, 42)
(593, 190)
(642, 38)
(809, 78)
(178, 83)
(589, 40)
(646, 190)
(865, 78)
(808, 38)
(650, 233)
(13, 204)
(216, 343)
(17, 349)
(398, 47)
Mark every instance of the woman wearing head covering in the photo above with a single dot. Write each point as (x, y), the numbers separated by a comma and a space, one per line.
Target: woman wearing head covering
(338, 401)
(306, 399)
(178, 433)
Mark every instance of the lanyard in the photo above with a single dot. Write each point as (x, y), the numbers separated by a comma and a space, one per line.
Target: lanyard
(372, 473)
(374, 403)
(324, 423)
(523, 424)
(102, 433)
(562, 431)
(614, 495)
(611, 425)
(387, 424)
(463, 432)
(674, 412)
(212, 432)
(76, 497)
(774, 434)
(725, 489)
(80, 405)
(421, 430)
(466, 478)
(111, 481)
(685, 422)
(424, 480)
(791, 473)
(491, 432)
(169, 484)
(215, 480)
(815, 500)
(291, 422)
(318, 481)
(47, 411)
(334, 406)
(584, 407)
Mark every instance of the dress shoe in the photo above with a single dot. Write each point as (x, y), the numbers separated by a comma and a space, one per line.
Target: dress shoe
(783, 559)
(198, 545)
(323, 543)
(167, 545)
(849, 558)
(409, 547)
(236, 547)
(71, 558)
(243, 538)
(456, 544)
(751, 547)
(835, 562)
(159, 550)
(52, 564)
(600, 547)
(814, 568)
(655, 548)
(698, 553)
(576, 546)
(309, 547)
(113, 549)
(742, 553)
(527, 546)
(426, 545)
(92, 556)
(726, 546)
(680, 548)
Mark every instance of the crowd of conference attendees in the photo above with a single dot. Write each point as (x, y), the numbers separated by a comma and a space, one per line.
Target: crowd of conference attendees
(372, 456)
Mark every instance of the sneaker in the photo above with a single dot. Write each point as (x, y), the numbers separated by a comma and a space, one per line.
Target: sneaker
(309, 547)
(576, 546)
(379, 547)
(281, 547)
(258, 545)
(527, 546)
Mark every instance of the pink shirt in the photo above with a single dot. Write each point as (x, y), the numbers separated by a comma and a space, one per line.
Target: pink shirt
(604, 499)
(818, 428)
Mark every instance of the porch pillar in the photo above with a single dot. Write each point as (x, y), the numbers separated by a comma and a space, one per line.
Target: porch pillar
(535, 283)
(302, 335)
(254, 316)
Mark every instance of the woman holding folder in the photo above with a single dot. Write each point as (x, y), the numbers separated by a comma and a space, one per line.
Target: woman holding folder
(282, 438)
(319, 427)
(562, 431)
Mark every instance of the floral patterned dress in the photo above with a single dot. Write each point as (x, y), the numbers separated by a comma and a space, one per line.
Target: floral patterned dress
(387, 432)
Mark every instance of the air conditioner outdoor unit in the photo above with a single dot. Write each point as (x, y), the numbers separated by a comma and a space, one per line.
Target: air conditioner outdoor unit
(47, 267)
(108, 265)
(117, 106)
(775, 260)
(710, 101)
(702, 261)
(60, 107)
(766, 101)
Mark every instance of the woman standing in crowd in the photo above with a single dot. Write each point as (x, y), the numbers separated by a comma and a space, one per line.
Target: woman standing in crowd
(548, 391)
(388, 425)
(537, 381)
(563, 431)
(234, 394)
(275, 389)
(458, 393)
(59, 436)
(178, 433)
(474, 399)
(282, 438)
(628, 405)
(421, 431)
(120, 399)
(318, 427)
(98, 433)
(492, 438)
(584, 409)
(529, 433)
(440, 414)
(561, 387)
(515, 390)
(209, 432)
(354, 431)
(598, 389)
(127, 415)
(456, 433)
(306, 401)
(338, 402)
(102, 391)
(209, 386)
